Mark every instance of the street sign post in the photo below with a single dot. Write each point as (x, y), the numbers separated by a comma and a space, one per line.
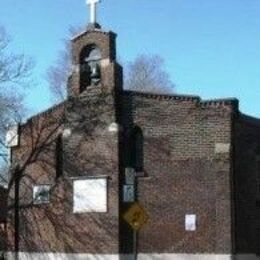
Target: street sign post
(136, 216)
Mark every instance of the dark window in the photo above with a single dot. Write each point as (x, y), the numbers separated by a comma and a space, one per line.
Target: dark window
(59, 156)
(137, 156)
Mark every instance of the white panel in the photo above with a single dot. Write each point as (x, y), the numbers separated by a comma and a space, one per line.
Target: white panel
(129, 193)
(129, 176)
(222, 147)
(114, 127)
(90, 195)
(12, 138)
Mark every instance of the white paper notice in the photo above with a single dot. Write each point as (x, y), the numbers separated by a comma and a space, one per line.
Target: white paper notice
(190, 222)
(90, 195)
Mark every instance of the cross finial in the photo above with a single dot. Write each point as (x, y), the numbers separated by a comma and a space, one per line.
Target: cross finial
(93, 8)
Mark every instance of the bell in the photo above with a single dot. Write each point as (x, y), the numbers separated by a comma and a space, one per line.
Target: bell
(95, 74)
(94, 71)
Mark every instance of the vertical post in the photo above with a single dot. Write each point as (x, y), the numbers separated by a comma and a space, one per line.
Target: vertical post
(16, 216)
(135, 245)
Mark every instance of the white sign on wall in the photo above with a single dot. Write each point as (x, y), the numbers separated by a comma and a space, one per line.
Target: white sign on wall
(90, 195)
(12, 137)
(129, 193)
(190, 222)
(129, 176)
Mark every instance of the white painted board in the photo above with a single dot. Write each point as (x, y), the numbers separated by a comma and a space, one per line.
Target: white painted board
(90, 195)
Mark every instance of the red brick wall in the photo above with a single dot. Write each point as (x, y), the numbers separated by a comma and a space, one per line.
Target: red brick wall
(33, 163)
(247, 225)
(183, 173)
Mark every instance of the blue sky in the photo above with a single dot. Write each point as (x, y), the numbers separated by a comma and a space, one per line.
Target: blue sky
(211, 47)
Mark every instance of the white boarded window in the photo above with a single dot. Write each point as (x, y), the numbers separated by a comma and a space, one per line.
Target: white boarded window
(90, 195)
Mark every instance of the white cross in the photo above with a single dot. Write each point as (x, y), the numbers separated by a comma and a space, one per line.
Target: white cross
(93, 8)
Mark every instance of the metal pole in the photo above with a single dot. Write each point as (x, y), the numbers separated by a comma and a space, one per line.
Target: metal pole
(135, 245)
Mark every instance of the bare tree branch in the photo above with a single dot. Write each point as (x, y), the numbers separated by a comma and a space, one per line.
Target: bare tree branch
(15, 72)
(147, 74)
(57, 75)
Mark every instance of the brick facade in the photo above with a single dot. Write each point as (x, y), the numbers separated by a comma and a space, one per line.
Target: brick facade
(247, 217)
(191, 156)
(183, 173)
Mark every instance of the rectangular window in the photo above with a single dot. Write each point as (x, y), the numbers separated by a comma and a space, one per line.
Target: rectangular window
(59, 156)
(90, 195)
(41, 194)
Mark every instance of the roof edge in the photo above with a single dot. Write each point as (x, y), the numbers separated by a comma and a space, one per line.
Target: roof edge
(81, 34)
(46, 112)
(166, 96)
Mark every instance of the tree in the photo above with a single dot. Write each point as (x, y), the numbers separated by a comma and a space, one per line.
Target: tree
(145, 74)
(14, 73)
(57, 74)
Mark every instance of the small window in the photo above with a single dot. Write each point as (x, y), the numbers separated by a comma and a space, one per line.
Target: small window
(136, 144)
(59, 156)
(41, 194)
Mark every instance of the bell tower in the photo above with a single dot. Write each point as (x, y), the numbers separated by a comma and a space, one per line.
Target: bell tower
(94, 62)
(91, 136)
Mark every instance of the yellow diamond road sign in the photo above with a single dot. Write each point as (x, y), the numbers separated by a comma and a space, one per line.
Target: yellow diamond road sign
(136, 216)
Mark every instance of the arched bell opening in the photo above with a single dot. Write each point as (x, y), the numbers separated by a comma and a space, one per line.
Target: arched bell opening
(90, 71)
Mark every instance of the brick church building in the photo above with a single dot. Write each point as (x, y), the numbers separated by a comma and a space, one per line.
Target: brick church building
(191, 165)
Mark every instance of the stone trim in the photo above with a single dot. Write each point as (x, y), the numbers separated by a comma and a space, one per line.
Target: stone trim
(80, 35)
(47, 112)
(203, 103)
(161, 96)
(165, 256)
